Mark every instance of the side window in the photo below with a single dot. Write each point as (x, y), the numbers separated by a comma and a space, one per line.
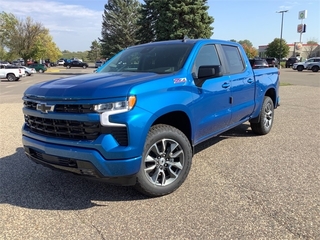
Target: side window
(234, 59)
(207, 56)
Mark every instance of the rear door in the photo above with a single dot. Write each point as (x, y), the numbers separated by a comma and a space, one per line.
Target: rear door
(242, 84)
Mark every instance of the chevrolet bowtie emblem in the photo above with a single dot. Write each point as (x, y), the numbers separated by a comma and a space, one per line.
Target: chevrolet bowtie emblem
(44, 108)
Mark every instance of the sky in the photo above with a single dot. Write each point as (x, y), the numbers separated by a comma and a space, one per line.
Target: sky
(75, 24)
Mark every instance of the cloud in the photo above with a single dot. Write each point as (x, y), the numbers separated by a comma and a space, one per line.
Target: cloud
(73, 27)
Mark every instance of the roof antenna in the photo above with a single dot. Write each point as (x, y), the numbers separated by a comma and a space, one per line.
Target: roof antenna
(185, 38)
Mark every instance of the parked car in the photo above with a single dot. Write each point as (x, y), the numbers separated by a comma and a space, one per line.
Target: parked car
(41, 68)
(98, 64)
(29, 71)
(258, 63)
(11, 72)
(5, 63)
(300, 66)
(75, 63)
(60, 62)
(291, 61)
(314, 67)
(22, 70)
(272, 61)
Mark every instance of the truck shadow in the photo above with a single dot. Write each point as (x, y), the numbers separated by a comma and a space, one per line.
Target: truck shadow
(243, 130)
(28, 185)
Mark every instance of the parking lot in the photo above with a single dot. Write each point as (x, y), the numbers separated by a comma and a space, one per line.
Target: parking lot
(241, 186)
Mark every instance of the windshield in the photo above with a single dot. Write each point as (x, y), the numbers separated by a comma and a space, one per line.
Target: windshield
(157, 58)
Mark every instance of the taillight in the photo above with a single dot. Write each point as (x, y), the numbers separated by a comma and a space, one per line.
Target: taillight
(19, 70)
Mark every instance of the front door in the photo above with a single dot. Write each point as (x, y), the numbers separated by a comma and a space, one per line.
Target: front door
(212, 108)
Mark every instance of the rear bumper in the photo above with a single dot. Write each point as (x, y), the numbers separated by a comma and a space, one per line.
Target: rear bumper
(81, 161)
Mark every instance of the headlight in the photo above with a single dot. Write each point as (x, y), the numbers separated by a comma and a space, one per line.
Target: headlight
(107, 109)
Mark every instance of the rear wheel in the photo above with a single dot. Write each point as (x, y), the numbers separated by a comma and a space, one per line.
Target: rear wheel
(40, 71)
(315, 69)
(68, 66)
(165, 163)
(84, 66)
(266, 118)
(11, 77)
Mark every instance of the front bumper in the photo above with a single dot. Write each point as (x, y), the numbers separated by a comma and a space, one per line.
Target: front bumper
(81, 161)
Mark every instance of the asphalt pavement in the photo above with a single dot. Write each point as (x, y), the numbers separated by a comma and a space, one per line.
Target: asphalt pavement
(241, 186)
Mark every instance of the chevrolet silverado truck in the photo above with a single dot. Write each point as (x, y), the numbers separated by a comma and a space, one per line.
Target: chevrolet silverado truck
(137, 120)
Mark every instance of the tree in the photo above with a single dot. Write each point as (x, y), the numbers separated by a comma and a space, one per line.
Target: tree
(94, 53)
(51, 50)
(312, 45)
(146, 32)
(246, 42)
(26, 39)
(119, 26)
(273, 49)
(171, 19)
(251, 52)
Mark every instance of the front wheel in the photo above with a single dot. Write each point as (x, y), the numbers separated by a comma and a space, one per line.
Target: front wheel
(84, 66)
(165, 163)
(266, 118)
(40, 71)
(300, 68)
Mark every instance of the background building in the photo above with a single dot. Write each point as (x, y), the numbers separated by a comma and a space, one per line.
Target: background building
(303, 51)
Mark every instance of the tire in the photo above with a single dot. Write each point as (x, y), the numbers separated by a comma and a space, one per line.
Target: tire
(166, 161)
(11, 77)
(315, 69)
(265, 119)
(68, 66)
(84, 66)
(40, 71)
(300, 68)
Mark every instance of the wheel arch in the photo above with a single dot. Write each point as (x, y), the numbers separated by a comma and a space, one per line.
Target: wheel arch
(272, 94)
(177, 119)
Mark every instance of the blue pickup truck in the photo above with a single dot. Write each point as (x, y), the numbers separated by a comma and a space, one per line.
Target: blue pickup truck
(137, 120)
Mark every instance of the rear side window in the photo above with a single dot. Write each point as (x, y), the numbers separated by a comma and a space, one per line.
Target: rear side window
(234, 59)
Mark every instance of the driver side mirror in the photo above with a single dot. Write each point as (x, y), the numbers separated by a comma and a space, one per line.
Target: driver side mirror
(207, 72)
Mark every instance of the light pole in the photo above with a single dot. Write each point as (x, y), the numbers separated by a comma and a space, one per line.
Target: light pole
(282, 13)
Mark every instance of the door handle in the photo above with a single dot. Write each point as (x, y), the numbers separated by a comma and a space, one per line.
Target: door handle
(250, 80)
(226, 85)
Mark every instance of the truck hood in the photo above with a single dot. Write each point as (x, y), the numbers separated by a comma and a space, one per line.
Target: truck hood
(89, 86)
